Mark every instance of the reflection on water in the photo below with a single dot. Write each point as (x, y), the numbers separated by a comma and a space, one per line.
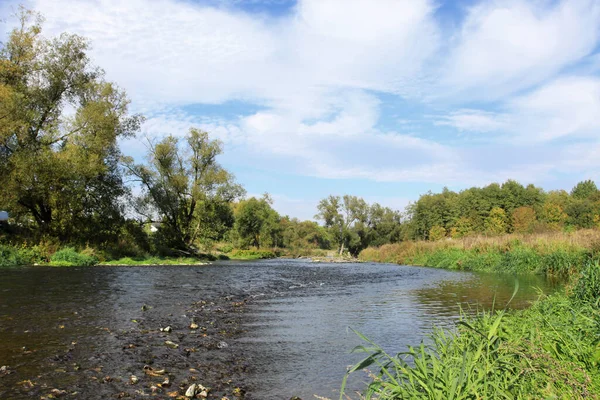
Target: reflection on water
(302, 341)
(297, 339)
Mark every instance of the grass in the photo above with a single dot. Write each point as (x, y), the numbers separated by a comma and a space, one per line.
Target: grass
(156, 261)
(251, 254)
(551, 254)
(549, 351)
(69, 257)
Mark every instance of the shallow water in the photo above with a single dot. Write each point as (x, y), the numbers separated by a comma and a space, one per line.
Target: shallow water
(59, 326)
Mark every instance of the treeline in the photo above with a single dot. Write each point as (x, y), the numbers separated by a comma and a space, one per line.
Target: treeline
(497, 209)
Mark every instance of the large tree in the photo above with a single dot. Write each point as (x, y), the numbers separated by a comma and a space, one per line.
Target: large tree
(59, 125)
(257, 224)
(340, 214)
(186, 189)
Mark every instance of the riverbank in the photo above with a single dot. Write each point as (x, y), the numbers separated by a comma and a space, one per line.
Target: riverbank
(561, 254)
(551, 350)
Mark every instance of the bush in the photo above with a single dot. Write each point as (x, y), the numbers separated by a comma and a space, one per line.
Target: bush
(70, 257)
(251, 254)
(10, 256)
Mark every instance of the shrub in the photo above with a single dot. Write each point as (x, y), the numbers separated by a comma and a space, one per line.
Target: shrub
(68, 256)
(10, 256)
(251, 254)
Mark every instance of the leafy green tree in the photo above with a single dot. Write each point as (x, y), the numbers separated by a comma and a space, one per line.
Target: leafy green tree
(495, 223)
(437, 233)
(581, 213)
(523, 219)
(463, 227)
(59, 125)
(339, 214)
(303, 234)
(553, 215)
(257, 223)
(185, 188)
(584, 190)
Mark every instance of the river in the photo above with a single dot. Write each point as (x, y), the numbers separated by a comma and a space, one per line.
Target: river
(266, 329)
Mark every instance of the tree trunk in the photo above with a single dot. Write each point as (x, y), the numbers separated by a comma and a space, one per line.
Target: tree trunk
(342, 249)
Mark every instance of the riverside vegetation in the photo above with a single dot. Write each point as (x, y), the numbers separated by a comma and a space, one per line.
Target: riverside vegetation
(551, 350)
(69, 191)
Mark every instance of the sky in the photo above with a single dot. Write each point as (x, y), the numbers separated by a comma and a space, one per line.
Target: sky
(381, 99)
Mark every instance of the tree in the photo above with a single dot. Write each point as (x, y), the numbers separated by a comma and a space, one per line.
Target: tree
(463, 227)
(553, 215)
(257, 223)
(186, 189)
(339, 214)
(495, 223)
(584, 190)
(437, 233)
(59, 125)
(523, 219)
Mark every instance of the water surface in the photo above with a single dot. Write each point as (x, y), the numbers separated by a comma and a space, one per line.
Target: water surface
(58, 326)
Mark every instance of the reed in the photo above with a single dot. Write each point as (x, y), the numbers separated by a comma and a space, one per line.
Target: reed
(548, 253)
(549, 351)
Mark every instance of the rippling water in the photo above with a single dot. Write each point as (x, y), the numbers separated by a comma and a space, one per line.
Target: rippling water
(296, 339)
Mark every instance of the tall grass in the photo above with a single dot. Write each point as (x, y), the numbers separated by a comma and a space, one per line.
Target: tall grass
(549, 351)
(551, 253)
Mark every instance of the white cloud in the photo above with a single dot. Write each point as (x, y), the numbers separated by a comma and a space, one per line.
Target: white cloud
(565, 107)
(506, 46)
(473, 120)
(314, 73)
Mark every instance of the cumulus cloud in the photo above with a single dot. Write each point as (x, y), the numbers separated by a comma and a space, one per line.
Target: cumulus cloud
(318, 72)
(507, 46)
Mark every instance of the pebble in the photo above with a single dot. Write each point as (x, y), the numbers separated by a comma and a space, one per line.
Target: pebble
(191, 391)
(172, 345)
(133, 379)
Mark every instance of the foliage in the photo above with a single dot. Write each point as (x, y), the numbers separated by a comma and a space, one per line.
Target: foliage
(59, 171)
(68, 256)
(437, 233)
(553, 215)
(559, 254)
(495, 223)
(587, 288)
(584, 190)
(186, 190)
(251, 254)
(547, 351)
(523, 219)
(257, 223)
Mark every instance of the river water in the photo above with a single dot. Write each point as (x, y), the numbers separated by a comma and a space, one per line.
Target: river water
(275, 329)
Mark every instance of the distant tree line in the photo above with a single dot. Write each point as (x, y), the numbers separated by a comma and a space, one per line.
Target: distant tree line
(498, 209)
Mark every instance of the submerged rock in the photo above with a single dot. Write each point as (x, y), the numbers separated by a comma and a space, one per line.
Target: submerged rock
(133, 379)
(194, 325)
(171, 345)
(167, 329)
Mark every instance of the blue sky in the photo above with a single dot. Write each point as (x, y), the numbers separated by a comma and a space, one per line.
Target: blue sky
(382, 99)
